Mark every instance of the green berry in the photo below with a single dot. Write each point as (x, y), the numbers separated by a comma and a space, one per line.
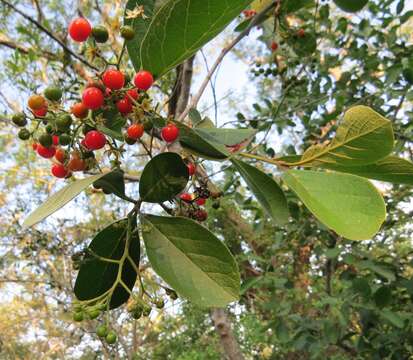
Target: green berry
(102, 331)
(24, 134)
(64, 139)
(49, 128)
(100, 34)
(147, 125)
(127, 32)
(93, 314)
(111, 337)
(78, 316)
(53, 93)
(63, 122)
(159, 303)
(129, 141)
(46, 140)
(137, 313)
(19, 119)
(146, 311)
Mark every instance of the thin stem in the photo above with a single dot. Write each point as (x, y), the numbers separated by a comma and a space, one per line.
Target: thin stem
(48, 33)
(260, 16)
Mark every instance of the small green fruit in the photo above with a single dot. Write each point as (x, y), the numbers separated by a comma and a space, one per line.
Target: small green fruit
(146, 311)
(64, 139)
(24, 134)
(100, 34)
(93, 314)
(53, 93)
(147, 125)
(78, 316)
(137, 314)
(159, 303)
(49, 128)
(19, 119)
(46, 140)
(102, 331)
(63, 122)
(351, 5)
(127, 32)
(111, 337)
(129, 141)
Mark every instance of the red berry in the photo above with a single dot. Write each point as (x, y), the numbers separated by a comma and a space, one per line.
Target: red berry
(113, 79)
(274, 46)
(301, 33)
(93, 98)
(135, 131)
(76, 164)
(201, 215)
(34, 146)
(45, 152)
(191, 169)
(94, 140)
(55, 140)
(143, 80)
(61, 155)
(124, 106)
(132, 93)
(41, 112)
(201, 201)
(186, 197)
(79, 110)
(59, 171)
(80, 29)
(170, 133)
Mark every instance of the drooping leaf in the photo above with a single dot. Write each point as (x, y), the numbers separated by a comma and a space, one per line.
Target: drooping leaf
(59, 199)
(227, 137)
(391, 169)
(195, 117)
(266, 190)
(377, 268)
(178, 29)
(109, 132)
(113, 182)
(97, 276)
(393, 318)
(191, 260)
(348, 204)
(164, 177)
(364, 137)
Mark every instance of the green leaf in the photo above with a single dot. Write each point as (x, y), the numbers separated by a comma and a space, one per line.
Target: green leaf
(113, 182)
(191, 260)
(290, 6)
(383, 296)
(214, 143)
(266, 190)
(96, 276)
(304, 46)
(393, 318)
(111, 133)
(375, 267)
(391, 169)
(348, 204)
(178, 29)
(364, 137)
(195, 117)
(59, 199)
(164, 177)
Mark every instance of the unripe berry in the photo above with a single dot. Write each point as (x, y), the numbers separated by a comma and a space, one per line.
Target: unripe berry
(100, 34)
(53, 93)
(76, 164)
(79, 110)
(102, 331)
(63, 122)
(19, 119)
(65, 139)
(46, 140)
(111, 337)
(24, 134)
(61, 155)
(36, 102)
(127, 32)
(78, 316)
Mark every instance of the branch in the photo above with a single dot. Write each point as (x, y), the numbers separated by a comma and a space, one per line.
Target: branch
(48, 33)
(256, 20)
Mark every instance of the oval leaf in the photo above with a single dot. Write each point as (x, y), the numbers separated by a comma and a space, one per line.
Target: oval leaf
(179, 28)
(164, 177)
(364, 137)
(59, 199)
(96, 276)
(348, 204)
(391, 169)
(266, 190)
(191, 260)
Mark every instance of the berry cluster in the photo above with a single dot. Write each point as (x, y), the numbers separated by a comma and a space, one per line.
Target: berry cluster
(70, 135)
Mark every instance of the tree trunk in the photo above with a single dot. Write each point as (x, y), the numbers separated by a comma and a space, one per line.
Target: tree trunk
(231, 349)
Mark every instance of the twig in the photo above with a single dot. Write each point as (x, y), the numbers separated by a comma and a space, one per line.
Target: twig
(218, 61)
(48, 33)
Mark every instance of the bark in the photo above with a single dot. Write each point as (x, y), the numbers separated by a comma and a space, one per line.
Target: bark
(227, 339)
